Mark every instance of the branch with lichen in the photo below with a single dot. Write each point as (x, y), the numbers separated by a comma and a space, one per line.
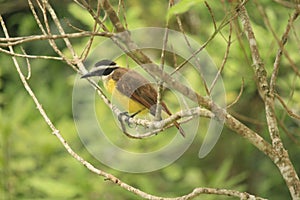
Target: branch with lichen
(267, 93)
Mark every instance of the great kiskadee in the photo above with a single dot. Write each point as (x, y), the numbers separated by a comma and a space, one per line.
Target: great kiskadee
(133, 91)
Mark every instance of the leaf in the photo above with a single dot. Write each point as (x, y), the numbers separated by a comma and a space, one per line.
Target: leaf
(182, 7)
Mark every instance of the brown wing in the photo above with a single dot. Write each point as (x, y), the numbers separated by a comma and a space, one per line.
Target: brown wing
(138, 88)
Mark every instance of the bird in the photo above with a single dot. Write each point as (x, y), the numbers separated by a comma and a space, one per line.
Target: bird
(132, 90)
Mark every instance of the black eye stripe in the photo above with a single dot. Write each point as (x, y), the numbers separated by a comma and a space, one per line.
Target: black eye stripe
(107, 71)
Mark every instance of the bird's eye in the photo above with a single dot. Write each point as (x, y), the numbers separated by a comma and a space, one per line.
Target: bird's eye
(107, 71)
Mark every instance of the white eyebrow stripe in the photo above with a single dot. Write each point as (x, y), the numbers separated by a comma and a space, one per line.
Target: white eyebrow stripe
(102, 67)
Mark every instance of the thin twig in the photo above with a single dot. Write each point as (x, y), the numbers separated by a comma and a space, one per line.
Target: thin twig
(95, 16)
(221, 26)
(247, 119)
(284, 39)
(238, 97)
(290, 112)
(197, 61)
(212, 17)
(288, 133)
(56, 21)
(162, 66)
(30, 56)
(292, 92)
(88, 46)
(227, 19)
(223, 61)
(296, 36)
(279, 42)
(27, 87)
(51, 41)
(287, 3)
(28, 65)
(211, 14)
(122, 6)
(19, 40)
(239, 33)
(258, 65)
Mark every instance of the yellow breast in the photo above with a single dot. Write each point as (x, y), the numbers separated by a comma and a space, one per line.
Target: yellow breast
(128, 104)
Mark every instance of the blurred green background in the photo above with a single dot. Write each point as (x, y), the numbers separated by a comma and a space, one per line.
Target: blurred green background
(34, 164)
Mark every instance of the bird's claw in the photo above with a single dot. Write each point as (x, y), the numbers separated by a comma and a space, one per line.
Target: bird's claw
(127, 117)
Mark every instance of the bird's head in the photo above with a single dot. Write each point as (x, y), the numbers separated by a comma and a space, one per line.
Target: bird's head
(102, 68)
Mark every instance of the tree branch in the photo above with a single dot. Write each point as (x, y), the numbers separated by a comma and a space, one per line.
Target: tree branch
(282, 159)
(19, 40)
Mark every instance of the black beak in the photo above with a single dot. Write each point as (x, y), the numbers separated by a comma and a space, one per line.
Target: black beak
(90, 74)
(100, 72)
(93, 73)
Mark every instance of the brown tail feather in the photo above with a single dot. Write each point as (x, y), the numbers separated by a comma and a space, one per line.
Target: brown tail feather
(179, 128)
(165, 108)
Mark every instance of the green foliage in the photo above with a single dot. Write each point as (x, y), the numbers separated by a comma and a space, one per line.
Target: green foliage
(182, 7)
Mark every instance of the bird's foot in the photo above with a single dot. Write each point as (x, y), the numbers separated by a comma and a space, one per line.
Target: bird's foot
(126, 120)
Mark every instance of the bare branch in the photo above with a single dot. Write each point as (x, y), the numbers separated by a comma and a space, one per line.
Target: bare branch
(283, 162)
(233, 193)
(113, 16)
(247, 119)
(19, 40)
(197, 62)
(223, 24)
(28, 65)
(284, 39)
(51, 41)
(259, 68)
(162, 65)
(290, 112)
(288, 133)
(239, 95)
(224, 60)
(279, 42)
(30, 56)
(288, 4)
(66, 40)
(122, 6)
(161, 125)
